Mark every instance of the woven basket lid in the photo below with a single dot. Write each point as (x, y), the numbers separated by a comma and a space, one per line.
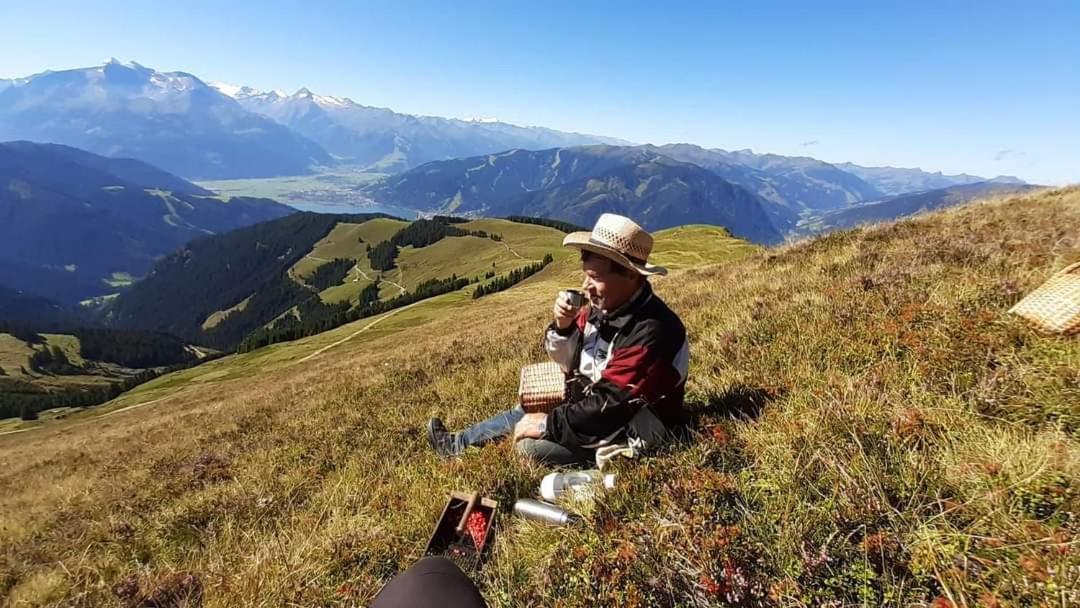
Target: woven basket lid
(1054, 307)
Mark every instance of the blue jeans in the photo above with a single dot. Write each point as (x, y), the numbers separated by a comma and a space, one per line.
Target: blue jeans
(498, 426)
(502, 425)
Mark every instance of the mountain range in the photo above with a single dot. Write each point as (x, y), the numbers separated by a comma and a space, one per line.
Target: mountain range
(74, 225)
(380, 139)
(176, 121)
(908, 204)
(798, 183)
(79, 224)
(892, 181)
(169, 119)
(759, 197)
(578, 184)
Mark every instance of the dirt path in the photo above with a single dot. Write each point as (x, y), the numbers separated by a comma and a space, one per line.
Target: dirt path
(137, 405)
(395, 284)
(364, 274)
(359, 331)
(511, 250)
(89, 419)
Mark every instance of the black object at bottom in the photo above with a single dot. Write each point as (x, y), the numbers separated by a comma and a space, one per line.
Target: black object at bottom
(432, 582)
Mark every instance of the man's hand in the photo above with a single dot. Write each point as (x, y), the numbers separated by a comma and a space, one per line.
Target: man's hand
(529, 427)
(564, 313)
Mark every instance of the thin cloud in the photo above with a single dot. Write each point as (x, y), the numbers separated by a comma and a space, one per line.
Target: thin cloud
(1007, 154)
(812, 142)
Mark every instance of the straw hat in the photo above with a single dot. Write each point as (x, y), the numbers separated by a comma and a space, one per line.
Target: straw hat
(620, 240)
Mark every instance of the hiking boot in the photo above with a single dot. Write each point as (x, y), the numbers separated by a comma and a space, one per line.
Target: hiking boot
(441, 440)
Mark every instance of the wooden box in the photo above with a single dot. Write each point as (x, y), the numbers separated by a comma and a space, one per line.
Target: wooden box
(460, 548)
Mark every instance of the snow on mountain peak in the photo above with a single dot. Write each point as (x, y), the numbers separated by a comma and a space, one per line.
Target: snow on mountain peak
(241, 93)
(133, 65)
(322, 100)
(174, 81)
(230, 90)
(245, 92)
(326, 100)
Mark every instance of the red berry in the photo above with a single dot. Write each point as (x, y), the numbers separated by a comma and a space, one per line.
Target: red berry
(477, 527)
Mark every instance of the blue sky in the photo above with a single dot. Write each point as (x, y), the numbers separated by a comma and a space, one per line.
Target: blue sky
(979, 87)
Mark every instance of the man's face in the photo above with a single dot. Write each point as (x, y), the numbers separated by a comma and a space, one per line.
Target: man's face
(604, 285)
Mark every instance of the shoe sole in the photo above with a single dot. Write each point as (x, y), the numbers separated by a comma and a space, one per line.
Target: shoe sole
(431, 435)
(431, 440)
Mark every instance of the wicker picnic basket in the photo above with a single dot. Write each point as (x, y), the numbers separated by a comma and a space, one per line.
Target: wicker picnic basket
(543, 387)
(1055, 306)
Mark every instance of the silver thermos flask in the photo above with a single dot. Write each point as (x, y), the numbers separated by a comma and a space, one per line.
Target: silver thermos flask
(542, 511)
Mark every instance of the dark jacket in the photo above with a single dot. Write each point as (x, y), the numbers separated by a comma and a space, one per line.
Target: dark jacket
(636, 356)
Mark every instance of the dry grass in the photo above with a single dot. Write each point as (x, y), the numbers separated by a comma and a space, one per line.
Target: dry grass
(872, 429)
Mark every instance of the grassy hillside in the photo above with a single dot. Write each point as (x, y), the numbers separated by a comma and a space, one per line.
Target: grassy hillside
(349, 241)
(873, 429)
(697, 245)
(314, 278)
(470, 256)
(243, 272)
(904, 205)
(42, 371)
(16, 351)
(465, 256)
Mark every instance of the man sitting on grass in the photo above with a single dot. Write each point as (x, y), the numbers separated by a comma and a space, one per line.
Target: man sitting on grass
(627, 349)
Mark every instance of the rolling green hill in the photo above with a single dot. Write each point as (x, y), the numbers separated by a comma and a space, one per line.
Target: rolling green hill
(473, 257)
(697, 245)
(871, 428)
(677, 248)
(58, 369)
(347, 241)
(221, 272)
(309, 272)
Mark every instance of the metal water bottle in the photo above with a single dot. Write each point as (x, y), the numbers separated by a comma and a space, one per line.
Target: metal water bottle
(580, 484)
(542, 511)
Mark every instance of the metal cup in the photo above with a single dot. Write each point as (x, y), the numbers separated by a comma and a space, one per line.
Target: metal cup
(575, 298)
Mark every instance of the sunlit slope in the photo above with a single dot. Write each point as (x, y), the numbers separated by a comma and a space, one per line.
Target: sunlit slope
(348, 241)
(698, 245)
(872, 428)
